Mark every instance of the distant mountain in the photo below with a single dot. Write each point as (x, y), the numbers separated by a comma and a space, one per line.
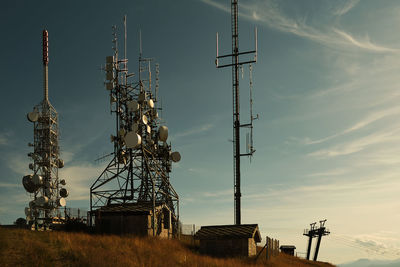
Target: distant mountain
(372, 263)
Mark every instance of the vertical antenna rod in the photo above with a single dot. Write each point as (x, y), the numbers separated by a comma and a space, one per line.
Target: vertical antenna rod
(235, 64)
(46, 65)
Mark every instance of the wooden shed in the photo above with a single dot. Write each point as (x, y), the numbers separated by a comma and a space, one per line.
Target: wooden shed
(288, 249)
(136, 219)
(229, 240)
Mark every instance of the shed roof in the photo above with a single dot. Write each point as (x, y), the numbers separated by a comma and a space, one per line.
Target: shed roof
(229, 231)
(143, 208)
(287, 247)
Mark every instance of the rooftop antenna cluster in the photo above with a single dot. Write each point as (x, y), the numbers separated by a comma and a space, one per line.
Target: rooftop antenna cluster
(139, 172)
(236, 63)
(43, 183)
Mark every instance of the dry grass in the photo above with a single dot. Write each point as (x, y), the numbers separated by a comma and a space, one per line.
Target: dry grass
(27, 248)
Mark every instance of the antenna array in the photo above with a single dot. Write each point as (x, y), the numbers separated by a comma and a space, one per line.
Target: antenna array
(235, 64)
(142, 158)
(44, 184)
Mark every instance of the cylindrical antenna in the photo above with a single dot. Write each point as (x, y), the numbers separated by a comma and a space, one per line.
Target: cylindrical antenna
(216, 58)
(45, 64)
(140, 43)
(256, 45)
(125, 53)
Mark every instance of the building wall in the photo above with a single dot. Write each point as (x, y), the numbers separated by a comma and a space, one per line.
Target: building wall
(252, 247)
(227, 247)
(122, 224)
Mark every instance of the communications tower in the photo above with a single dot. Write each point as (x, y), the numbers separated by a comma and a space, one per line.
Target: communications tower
(139, 173)
(44, 184)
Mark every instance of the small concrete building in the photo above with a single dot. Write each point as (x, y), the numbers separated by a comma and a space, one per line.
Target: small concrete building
(229, 240)
(288, 249)
(136, 219)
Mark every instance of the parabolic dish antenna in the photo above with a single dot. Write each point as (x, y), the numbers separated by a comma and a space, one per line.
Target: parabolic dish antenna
(33, 116)
(175, 156)
(163, 133)
(144, 119)
(63, 182)
(61, 202)
(63, 192)
(28, 184)
(42, 200)
(60, 163)
(133, 105)
(132, 139)
(37, 179)
(150, 103)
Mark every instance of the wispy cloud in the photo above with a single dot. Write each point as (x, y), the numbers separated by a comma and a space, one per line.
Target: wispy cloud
(346, 7)
(8, 185)
(356, 145)
(196, 130)
(269, 13)
(367, 120)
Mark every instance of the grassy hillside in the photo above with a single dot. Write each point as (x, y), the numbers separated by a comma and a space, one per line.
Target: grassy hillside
(27, 248)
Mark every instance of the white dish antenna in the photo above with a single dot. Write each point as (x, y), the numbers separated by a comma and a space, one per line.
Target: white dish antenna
(132, 139)
(144, 119)
(148, 129)
(163, 133)
(61, 202)
(33, 116)
(175, 156)
(133, 105)
(63, 182)
(150, 103)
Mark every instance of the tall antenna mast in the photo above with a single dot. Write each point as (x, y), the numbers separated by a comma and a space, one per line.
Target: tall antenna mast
(235, 64)
(45, 65)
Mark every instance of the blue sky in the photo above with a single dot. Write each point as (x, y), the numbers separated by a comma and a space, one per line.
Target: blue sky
(325, 87)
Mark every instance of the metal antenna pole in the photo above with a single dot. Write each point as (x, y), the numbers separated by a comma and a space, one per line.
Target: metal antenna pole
(235, 64)
(46, 65)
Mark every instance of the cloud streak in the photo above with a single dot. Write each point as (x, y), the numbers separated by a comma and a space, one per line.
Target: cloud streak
(269, 14)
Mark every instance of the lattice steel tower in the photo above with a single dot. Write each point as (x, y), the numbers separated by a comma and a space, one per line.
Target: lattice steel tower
(141, 164)
(44, 184)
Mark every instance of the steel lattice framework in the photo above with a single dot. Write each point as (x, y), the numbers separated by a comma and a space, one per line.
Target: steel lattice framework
(44, 184)
(141, 164)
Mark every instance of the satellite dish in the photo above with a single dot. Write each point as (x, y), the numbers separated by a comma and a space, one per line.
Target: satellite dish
(61, 202)
(144, 119)
(63, 192)
(150, 103)
(33, 116)
(163, 133)
(42, 200)
(28, 184)
(31, 166)
(132, 139)
(63, 182)
(60, 163)
(31, 204)
(175, 156)
(37, 180)
(142, 97)
(148, 129)
(133, 105)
